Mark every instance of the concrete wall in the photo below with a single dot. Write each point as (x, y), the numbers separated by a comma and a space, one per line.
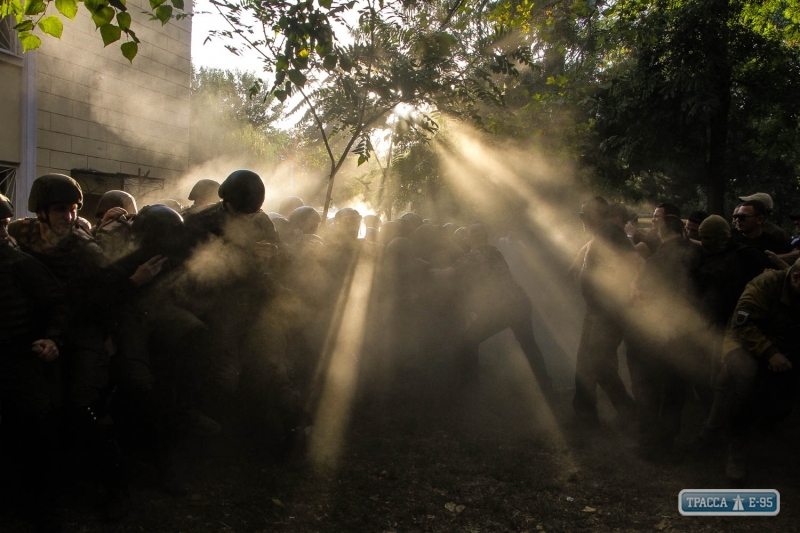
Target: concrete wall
(95, 110)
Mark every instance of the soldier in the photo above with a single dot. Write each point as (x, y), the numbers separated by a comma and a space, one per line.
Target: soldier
(662, 342)
(78, 263)
(202, 194)
(238, 217)
(31, 322)
(761, 346)
(494, 301)
(750, 218)
(169, 202)
(373, 221)
(609, 265)
(115, 212)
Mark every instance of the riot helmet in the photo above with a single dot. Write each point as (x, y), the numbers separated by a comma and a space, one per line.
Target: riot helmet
(54, 189)
(116, 199)
(244, 190)
(204, 192)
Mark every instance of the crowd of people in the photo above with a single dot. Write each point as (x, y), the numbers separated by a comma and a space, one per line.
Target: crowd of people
(135, 332)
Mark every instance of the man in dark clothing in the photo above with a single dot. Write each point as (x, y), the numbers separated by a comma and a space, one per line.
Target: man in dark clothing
(749, 219)
(31, 322)
(663, 355)
(494, 301)
(75, 259)
(608, 267)
(761, 346)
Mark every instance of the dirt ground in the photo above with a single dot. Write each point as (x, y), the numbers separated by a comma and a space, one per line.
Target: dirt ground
(485, 458)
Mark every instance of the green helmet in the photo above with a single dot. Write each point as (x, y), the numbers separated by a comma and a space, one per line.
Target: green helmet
(306, 219)
(54, 189)
(115, 199)
(6, 209)
(289, 204)
(205, 192)
(244, 190)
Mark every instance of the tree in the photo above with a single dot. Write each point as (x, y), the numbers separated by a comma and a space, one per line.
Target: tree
(399, 53)
(232, 116)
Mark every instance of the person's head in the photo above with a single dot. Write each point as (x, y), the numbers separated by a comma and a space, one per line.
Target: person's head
(347, 222)
(749, 218)
(619, 215)
(6, 214)
(204, 192)
(306, 219)
(449, 229)
(671, 227)
(663, 210)
(372, 221)
(715, 232)
(414, 220)
(289, 204)
(243, 192)
(56, 199)
(390, 230)
(693, 224)
(594, 213)
(158, 229)
(116, 199)
(477, 236)
(371, 235)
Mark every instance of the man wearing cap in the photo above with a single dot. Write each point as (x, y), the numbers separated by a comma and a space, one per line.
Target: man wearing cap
(750, 218)
(769, 227)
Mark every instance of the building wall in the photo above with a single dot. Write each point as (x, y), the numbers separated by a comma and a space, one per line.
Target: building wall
(97, 111)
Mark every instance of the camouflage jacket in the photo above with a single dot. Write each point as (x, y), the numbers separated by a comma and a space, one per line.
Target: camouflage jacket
(767, 318)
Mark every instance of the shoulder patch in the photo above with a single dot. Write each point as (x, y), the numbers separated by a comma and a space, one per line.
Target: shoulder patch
(741, 317)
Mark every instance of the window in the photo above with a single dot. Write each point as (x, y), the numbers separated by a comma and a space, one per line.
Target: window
(9, 42)
(8, 180)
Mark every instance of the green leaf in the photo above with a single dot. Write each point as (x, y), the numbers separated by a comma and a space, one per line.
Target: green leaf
(297, 77)
(124, 20)
(103, 16)
(164, 13)
(52, 25)
(68, 8)
(362, 159)
(25, 25)
(29, 41)
(178, 4)
(155, 3)
(345, 63)
(34, 7)
(280, 94)
(325, 3)
(110, 34)
(129, 50)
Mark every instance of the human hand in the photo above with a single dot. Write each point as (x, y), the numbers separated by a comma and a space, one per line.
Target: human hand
(779, 363)
(147, 271)
(114, 213)
(45, 349)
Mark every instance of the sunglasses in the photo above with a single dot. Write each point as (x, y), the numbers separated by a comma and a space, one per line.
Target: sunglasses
(742, 217)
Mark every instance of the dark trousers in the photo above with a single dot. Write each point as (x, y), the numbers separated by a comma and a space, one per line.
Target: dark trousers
(745, 391)
(659, 386)
(517, 316)
(597, 364)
